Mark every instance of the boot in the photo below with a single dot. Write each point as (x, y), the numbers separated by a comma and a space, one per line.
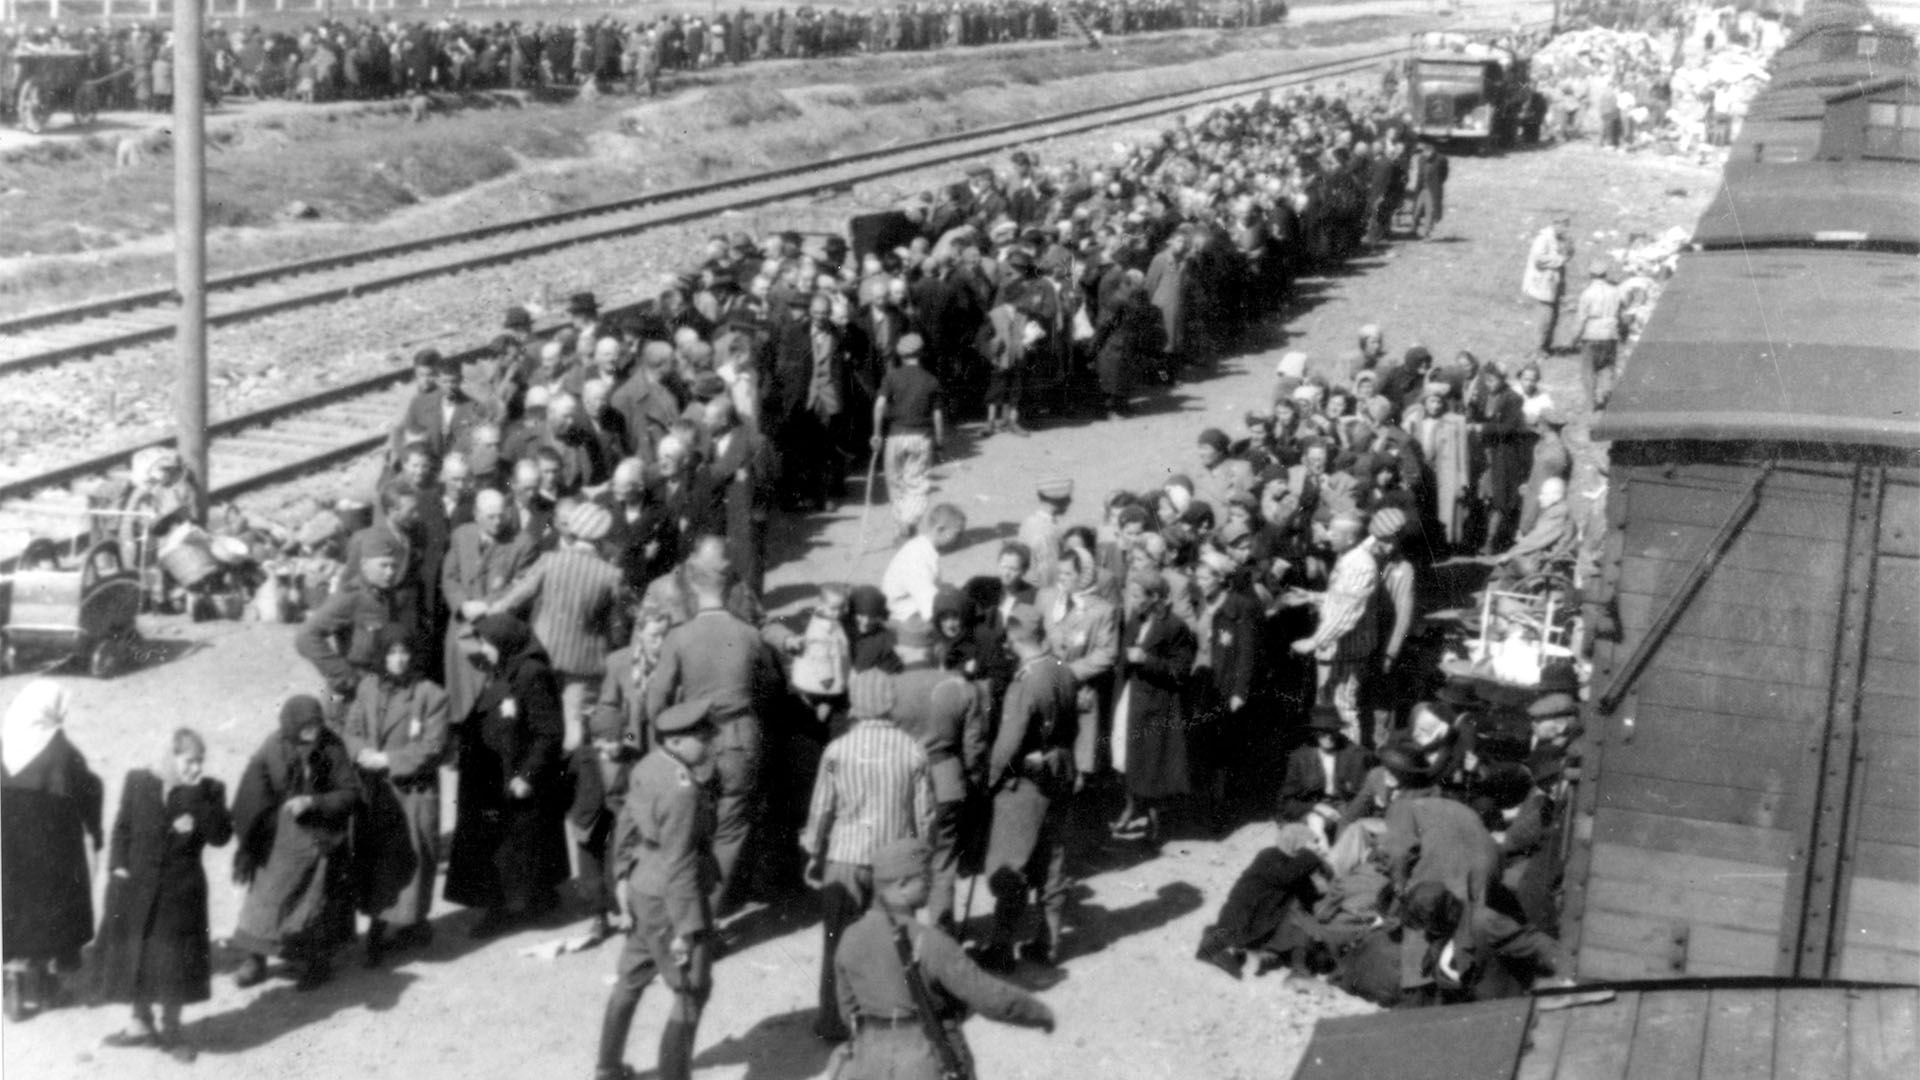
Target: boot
(314, 975)
(676, 1050)
(615, 1023)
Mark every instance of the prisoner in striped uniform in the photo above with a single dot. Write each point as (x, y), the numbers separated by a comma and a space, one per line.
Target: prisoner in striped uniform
(874, 786)
(579, 611)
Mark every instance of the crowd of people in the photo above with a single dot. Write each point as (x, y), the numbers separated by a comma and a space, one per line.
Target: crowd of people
(560, 594)
(360, 59)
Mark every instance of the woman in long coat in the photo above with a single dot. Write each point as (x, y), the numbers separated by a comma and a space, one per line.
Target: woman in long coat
(1442, 434)
(1150, 725)
(154, 944)
(509, 843)
(396, 730)
(291, 814)
(49, 810)
(1127, 340)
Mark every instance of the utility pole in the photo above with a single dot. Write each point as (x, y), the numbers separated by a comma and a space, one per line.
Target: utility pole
(190, 236)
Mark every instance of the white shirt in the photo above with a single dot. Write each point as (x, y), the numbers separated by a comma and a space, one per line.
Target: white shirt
(912, 579)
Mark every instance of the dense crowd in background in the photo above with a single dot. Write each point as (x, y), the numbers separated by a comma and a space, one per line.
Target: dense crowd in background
(361, 59)
(560, 591)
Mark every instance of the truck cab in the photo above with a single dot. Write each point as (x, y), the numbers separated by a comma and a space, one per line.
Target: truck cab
(1471, 94)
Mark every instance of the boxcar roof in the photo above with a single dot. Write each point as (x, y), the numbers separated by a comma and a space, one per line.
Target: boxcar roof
(1778, 346)
(1707, 1031)
(1761, 205)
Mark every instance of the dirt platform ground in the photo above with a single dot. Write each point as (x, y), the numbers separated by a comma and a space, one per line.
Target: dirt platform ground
(1133, 1003)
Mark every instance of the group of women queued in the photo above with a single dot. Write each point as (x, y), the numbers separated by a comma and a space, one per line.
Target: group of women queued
(303, 790)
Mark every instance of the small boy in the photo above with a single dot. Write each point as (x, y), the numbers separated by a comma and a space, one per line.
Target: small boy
(823, 655)
(599, 769)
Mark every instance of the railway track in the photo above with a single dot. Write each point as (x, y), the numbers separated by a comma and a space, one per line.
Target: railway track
(267, 446)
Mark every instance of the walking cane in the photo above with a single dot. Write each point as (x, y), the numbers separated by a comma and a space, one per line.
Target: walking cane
(866, 511)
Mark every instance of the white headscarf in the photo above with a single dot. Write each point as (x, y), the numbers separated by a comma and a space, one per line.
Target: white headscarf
(31, 723)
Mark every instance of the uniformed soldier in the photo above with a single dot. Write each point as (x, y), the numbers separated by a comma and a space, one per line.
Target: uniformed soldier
(1030, 772)
(664, 852)
(1042, 529)
(718, 658)
(891, 1038)
(342, 637)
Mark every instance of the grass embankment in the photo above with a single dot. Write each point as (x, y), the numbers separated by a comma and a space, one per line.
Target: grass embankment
(75, 226)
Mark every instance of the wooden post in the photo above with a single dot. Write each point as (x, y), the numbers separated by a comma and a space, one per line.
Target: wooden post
(190, 236)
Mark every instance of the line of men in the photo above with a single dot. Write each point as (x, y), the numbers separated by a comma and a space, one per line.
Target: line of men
(358, 59)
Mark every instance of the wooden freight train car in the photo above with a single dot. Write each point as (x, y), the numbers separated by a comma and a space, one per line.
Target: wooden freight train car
(1753, 806)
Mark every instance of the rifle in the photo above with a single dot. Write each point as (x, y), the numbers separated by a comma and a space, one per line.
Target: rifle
(951, 1065)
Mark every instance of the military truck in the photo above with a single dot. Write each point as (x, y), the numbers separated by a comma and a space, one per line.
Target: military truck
(1473, 94)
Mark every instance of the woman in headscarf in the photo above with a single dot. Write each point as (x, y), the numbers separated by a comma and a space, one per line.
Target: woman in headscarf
(154, 944)
(509, 842)
(291, 815)
(396, 730)
(49, 810)
(1150, 725)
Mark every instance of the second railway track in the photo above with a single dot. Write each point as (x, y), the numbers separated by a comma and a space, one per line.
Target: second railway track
(58, 335)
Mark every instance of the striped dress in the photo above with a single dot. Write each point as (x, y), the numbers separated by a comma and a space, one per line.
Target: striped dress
(874, 786)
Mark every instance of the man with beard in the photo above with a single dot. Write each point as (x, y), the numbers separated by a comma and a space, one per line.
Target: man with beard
(738, 480)
(484, 557)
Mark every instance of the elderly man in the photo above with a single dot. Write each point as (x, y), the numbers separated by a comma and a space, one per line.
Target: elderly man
(1344, 639)
(578, 611)
(633, 540)
(484, 558)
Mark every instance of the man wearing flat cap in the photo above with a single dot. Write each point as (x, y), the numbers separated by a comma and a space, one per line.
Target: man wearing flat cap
(343, 637)
(875, 993)
(663, 850)
(578, 602)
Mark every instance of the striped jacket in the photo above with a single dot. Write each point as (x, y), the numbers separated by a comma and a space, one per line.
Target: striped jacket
(1347, 623)
(579, 611)
(874, 786)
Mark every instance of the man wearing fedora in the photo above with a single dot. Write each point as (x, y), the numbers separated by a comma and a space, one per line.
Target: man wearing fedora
(578, 611)
(1327, 771)
(583, 312)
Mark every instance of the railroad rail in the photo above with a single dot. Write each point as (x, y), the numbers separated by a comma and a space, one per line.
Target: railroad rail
(267, 446)
(55, 335)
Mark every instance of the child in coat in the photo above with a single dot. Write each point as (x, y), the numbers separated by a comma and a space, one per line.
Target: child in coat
(823, 657)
